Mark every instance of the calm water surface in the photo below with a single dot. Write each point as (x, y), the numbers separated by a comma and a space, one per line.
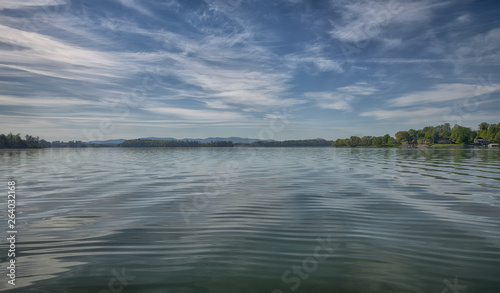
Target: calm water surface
(254, 220)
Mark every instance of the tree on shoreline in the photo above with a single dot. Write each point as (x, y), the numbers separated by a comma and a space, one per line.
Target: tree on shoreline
(440, 134)
(12, 141)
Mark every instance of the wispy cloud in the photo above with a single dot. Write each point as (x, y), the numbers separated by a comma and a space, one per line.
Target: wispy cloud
(390, 61)
(135, 5)
(210, 68)
(231, 63)
(362, 21)
(48, 56)
(358, 89)
(313, 59)
(342, 97)
(192, 114)
(437, 105)
(45, 102)
(441, 93)
(327, 100)
(13, 4)
(404, 114)
(483, 47)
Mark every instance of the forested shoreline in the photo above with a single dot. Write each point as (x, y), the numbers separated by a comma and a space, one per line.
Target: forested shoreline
(443, 135)
(16, 141)
(427, 136)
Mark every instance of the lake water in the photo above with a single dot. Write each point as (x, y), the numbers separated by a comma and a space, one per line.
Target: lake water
(254, 220)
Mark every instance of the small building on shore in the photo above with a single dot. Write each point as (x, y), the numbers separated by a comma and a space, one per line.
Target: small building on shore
(444, 141)
(406, 144)
(481, 141)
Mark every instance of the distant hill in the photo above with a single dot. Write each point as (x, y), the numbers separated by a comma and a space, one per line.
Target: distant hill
(159, 138)
(232, 139)
(202, 140)
(109, 141)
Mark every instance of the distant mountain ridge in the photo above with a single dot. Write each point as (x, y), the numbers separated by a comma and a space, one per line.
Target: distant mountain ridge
(202, 140)
(109, 141)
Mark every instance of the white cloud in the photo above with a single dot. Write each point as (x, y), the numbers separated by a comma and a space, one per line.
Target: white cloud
(463, 50)
(132, 4)
(407, 60)
(192, 114)
(329, 100)
(14, 4)
(337, 105)
(216, 104)
(321, 64)
(219, 62)
(210, 68)
(442, 93)
(483, 46)
(44, 102)
(342, 97)
(312, 56)
(44, 55)
(403, 114)
(360, 88)
(423, 106)
(231, 67)
(362, 21)
(463, 19)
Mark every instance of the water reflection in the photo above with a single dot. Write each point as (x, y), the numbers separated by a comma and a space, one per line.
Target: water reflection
(402, 220)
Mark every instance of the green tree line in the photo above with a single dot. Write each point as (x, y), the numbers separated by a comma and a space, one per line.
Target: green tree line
(16, 141)
(441, 134)
(365, 141)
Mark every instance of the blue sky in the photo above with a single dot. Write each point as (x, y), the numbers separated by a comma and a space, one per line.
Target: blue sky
(284, 69)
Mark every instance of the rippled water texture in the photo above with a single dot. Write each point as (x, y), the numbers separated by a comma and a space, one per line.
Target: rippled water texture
(255, 220)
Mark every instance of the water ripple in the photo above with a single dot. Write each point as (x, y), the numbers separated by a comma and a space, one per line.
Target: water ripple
(241, 220)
